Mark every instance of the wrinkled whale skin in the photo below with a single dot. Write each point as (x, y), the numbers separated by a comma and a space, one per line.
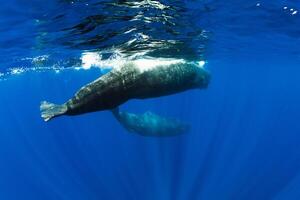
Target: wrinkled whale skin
(132, 82)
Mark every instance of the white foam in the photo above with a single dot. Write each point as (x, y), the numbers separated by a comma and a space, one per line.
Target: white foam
(201, 63)
(41, 58)
(17, 70)
(92, 59)
(14, 71)
(150, 63)
(89, 59)
(37, 59)
(95, 60)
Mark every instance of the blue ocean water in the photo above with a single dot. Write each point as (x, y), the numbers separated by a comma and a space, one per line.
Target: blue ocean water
(244, 138)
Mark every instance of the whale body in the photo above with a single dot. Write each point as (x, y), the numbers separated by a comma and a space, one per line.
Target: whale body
(133, 80)
(150, 124)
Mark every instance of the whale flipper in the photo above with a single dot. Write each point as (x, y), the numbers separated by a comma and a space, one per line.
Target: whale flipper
(50, 110)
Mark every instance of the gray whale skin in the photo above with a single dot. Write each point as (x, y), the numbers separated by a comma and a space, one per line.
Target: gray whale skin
(150, 124)
(130, 81)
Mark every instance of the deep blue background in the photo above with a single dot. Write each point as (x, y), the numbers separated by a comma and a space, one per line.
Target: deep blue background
(244, 142)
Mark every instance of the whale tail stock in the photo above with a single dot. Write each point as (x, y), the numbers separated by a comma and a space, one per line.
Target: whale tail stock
(50, 110)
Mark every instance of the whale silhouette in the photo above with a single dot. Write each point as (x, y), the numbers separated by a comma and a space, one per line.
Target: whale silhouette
(150, 124)
(139, 79)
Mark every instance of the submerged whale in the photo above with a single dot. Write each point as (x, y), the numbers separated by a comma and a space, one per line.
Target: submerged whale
(150, 124)
(138, 79)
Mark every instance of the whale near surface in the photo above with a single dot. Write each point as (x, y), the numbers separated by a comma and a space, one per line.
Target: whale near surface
(138, 79)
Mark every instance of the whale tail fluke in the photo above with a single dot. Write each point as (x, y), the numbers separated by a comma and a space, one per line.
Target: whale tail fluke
(50, 110)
